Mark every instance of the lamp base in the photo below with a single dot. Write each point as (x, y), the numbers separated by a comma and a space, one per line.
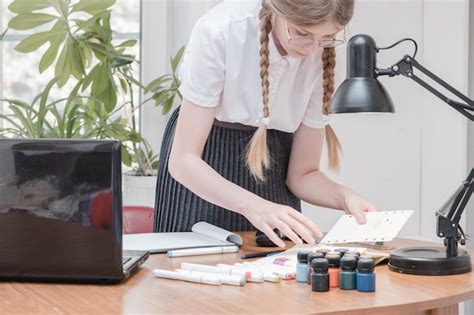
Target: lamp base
(429, 261)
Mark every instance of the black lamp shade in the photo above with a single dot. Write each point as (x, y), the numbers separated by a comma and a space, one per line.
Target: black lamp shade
(361, 91)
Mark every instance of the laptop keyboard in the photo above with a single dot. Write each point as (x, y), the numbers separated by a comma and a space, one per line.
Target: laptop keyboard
(125, 259)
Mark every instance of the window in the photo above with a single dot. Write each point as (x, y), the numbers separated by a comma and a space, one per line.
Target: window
(19, 74)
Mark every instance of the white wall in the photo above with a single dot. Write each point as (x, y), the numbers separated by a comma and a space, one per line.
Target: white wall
(410, 160)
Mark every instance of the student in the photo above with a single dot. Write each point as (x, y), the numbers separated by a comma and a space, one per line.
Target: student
(244, 147)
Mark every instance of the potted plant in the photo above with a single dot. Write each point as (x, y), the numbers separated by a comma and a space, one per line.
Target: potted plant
(103, 100)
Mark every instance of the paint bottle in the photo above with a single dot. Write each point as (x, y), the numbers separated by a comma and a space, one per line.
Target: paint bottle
(348, 275)
(353, 253)
(341, 250)
(366, 275)
(334, 262)
(320, 275)
(323, 250)
(334, 253)
(302, 266)
(311, 256)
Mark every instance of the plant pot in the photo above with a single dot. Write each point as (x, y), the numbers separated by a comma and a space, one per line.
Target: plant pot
(138, 190)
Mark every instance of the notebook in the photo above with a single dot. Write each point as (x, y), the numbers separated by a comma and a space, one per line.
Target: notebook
(381, 226)
(203, 235)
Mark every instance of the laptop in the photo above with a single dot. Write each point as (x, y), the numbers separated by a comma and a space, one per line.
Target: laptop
(61, 212)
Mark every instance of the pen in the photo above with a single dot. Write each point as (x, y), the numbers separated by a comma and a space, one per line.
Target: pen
(261, 254)
(186, 277)
(224, 279)
(214, 269)
(202, 251)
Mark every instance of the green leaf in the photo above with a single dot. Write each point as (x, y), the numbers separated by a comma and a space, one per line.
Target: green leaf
(35, 41)
(91, 77)
(62, 70)
(153, 85)
(122, 60)
(51, 53)
(124, 86)
(89, 24)
(28, 21)
(26, 6)
(126, 157)
(2, 36)
(160, 97)
(75, 59)
(128, 43)
(102, 80)
(175, 61)
(167, 106)
(61, 7)
(92, 6)
(86, 55)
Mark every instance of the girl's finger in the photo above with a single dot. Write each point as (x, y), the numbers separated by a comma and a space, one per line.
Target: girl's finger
(301, 230)
(285, 229)
(272, 235)
(307, 222)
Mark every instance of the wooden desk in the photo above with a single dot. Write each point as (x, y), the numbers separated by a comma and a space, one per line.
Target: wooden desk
(396, 293)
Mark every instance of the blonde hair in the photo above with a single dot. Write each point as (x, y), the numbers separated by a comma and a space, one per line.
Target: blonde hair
(301, 13)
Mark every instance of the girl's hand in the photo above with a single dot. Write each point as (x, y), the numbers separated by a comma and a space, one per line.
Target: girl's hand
(266, 216)
(357, 206)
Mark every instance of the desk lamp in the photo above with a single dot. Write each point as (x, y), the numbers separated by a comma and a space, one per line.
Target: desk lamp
(362, 92)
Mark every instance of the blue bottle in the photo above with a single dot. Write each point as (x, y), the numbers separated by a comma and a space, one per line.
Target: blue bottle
(302, 266)
(348, 275)
(366, 275)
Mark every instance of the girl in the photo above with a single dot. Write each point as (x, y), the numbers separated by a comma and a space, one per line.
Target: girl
(245, 145)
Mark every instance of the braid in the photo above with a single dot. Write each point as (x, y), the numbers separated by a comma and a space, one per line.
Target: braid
(265, 29)
(334, 146)
(258, 156)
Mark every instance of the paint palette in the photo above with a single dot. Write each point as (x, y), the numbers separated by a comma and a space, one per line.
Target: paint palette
(381, 226)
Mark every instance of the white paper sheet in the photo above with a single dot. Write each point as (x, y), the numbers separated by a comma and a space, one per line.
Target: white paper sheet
(380, 226)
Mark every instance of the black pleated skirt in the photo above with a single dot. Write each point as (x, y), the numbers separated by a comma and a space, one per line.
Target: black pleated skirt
(177, 208)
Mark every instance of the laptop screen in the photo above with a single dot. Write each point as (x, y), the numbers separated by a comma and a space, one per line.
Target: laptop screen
(60, 209)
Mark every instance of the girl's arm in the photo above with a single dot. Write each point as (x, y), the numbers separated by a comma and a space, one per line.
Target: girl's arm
(187, 167)
(308, 183)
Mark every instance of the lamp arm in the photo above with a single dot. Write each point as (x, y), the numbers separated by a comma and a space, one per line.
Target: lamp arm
(405, 67)
(457, 209)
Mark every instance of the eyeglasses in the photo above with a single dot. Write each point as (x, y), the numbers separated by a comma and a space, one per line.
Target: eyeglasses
(309, 39)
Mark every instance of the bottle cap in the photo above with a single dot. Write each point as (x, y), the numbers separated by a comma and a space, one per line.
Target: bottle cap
(302, 256)
(334, 260)
(348, 263)
(323, 250)
(314, 255)
(366, 265)
(320, 265)
(341, 250)
(353, 253)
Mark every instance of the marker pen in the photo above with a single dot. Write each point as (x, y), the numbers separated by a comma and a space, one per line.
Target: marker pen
(190, 278)
(255, 277)
(202, 251)
(225, 279)
(214, 269)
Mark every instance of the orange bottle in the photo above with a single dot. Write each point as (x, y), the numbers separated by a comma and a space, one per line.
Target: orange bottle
(334, 271)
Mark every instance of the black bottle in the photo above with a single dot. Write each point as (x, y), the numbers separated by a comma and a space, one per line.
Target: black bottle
(320, 275)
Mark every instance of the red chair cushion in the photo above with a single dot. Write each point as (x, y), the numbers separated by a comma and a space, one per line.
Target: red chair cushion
(138, 219)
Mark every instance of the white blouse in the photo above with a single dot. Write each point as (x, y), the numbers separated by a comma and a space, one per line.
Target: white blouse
(221, 68)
